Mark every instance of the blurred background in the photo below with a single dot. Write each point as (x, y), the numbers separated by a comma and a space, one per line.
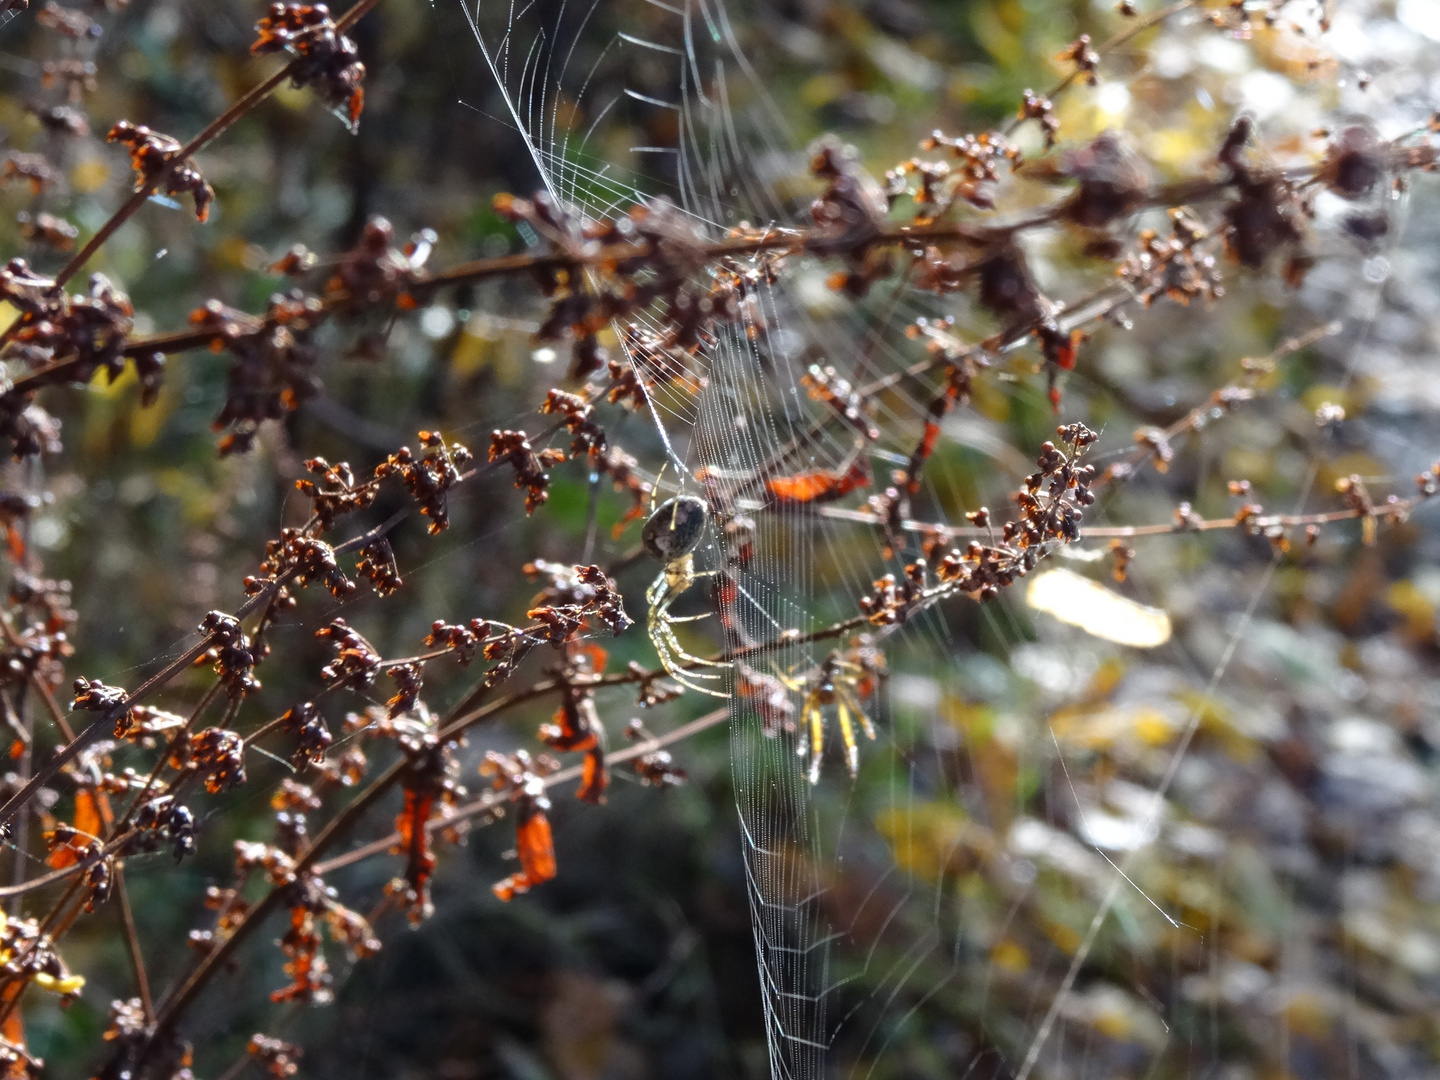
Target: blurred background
(1284, 916)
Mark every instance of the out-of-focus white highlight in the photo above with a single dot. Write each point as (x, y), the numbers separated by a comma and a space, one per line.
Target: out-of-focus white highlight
(1095, 609)
(1113, 99)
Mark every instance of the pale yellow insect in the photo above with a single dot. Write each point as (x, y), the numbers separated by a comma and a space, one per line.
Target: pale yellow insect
(837, 685)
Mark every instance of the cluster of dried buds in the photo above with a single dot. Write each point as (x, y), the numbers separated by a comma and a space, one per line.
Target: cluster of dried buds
(41, 647)
(232, 654)
(295, 556)
(356, 662)
(1268, 213)
(1040, 108)
(375, 273)
(68, 22)
(277, 1057)
(53, 232)
(855, 411)
(599, 273)
(654, 768)
(334, 493)
(312, 737)
(1176, 267)
(1051, 504)
(377, 565)
(325, 58)
(1084, 57)
(462, 642)
(273, 370)
(164, 820)
(1113, 181)
(850, 217)
(587, 438)
(216, 754)
(514, 448)
(429, 477)
(160, 165)
(651, 689)
(92, 327)
(575, 597)
(309, 900)
(33, 169)
(977, 163)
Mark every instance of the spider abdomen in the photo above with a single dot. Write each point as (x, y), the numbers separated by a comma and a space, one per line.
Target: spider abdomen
(675, 528)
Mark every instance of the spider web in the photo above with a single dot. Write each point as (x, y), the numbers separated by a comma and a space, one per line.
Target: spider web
(865, 932)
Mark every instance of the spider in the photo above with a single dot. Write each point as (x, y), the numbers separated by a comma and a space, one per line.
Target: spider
(839, 683)
(671, 534)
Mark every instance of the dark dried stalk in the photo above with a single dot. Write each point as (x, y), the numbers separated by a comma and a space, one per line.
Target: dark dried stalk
(785, 242)
(213, 130)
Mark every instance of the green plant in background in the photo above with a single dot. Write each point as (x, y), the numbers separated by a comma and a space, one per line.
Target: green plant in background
(1127, 772)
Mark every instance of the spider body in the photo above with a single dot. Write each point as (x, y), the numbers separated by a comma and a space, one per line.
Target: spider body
(671, 535)
(836, 684)
(675, 529)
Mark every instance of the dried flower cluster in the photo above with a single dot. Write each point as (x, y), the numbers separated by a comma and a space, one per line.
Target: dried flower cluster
(641, 299)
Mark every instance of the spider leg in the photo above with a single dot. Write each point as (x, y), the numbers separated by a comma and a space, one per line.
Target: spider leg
(663, 626)
(673, 658)
(690, 579)
(677, 653)
(847, 735)
(812, 742)
(709, 691)
(655, 488)
(849, 695)
(669, 660)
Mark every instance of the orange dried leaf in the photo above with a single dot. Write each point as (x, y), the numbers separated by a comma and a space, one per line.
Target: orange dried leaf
(594, 777)
(820, 485)
(535, 844)
(87, 814)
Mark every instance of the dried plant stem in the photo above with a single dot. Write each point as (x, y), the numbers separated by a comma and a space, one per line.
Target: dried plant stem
(490, 801)
(132, 943)
(179, 1000)
(106, 722)
(945, 533)
(777, 242)
(1123, 37)
(213, 130)
(464, 716)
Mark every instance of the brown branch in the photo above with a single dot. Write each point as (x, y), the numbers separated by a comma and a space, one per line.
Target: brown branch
(1395, 511)
(1199, 416)
(483, 805)
(1123, 37)
(132, 943)
(213, 130)
(776, 242)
